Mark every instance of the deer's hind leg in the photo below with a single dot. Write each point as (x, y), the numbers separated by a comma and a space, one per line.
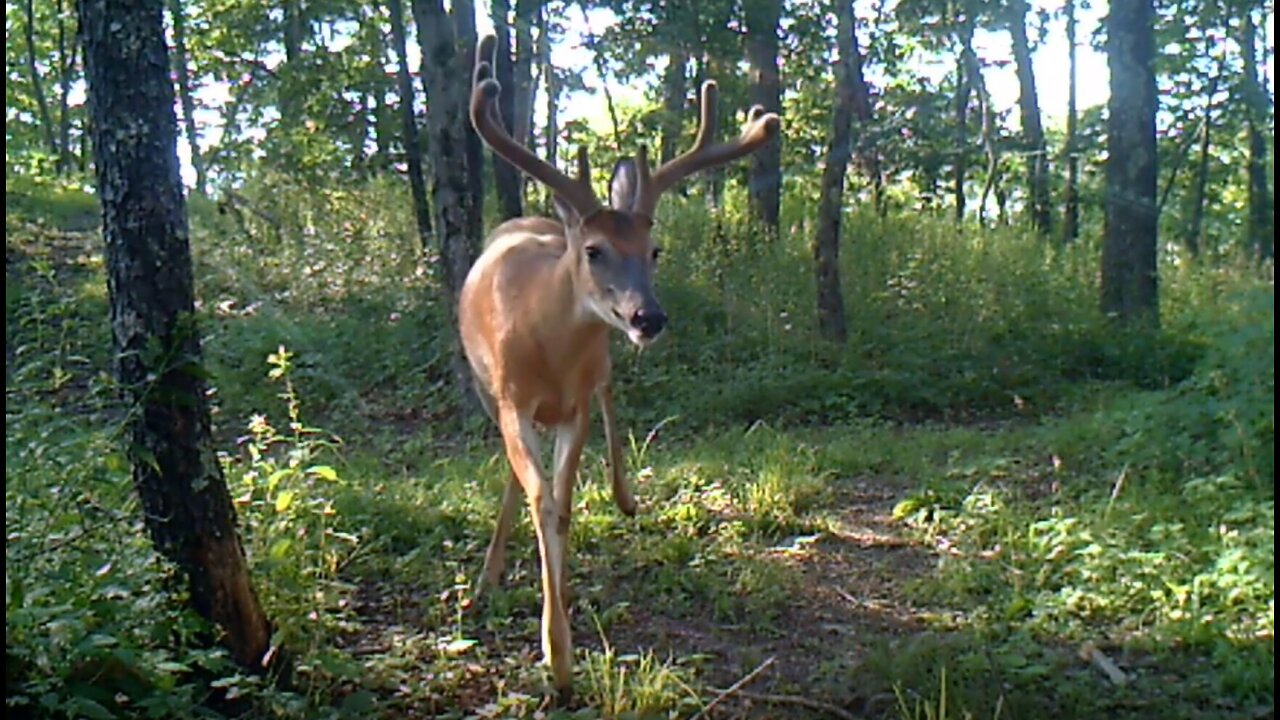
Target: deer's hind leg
(623, 494)
(495, 558)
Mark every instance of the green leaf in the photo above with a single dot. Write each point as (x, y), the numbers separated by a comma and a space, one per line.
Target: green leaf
(459, 646)
(84, 707)
(274, 478)
(281, 548)
(324, 472)
(284, 500)
(359, 702)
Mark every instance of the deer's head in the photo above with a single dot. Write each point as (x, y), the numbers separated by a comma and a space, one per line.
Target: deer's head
(611, 249)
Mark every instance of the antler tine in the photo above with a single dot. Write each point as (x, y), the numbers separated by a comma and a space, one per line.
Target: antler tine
(760, 128)
(487, 122)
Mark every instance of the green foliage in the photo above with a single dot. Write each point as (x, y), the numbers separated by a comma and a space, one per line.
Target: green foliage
(1105, 489)
(284, 496)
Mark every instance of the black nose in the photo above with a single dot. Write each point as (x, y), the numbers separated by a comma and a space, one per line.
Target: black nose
(649, 322)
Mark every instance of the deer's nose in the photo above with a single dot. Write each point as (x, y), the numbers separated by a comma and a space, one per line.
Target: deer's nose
(649, 322)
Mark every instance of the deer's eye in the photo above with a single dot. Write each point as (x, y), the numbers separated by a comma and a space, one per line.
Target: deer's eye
(593, 252)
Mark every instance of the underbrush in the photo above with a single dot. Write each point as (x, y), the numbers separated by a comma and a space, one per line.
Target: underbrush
(1146, 525)
(1114, 489)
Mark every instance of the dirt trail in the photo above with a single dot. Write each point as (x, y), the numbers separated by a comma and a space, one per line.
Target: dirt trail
(851, 599)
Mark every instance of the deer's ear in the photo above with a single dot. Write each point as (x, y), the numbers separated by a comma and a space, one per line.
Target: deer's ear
(568, 215)
(623, 185)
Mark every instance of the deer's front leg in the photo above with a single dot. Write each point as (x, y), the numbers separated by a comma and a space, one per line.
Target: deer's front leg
(570, 437)
(521, 441)
(622, 492)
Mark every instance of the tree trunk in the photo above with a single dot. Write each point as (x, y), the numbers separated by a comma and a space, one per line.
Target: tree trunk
(359, 129)
(1175, 163)
(294, 28)
(66, 68)
(182, 71)
(1129, 279)
(185, 503)
(446, 70)
(1032, 131)
(988, 135)
(37, 84)
(522, 72)
(381, 109)
(553, 92)
(409, 126)
(463, 13)
(826, 246)
(1192, 236)
(1071, 202)
(673, 101)
(765, 178)
(506, 178)
(961, 166)
(1261, 199)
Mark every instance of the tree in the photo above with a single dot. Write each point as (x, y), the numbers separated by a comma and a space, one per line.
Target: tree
(1032, 131)
(1129, 279)
(765, 185)
(1071, 201)
(964, 61)
(409, 126)
(1261, 199)
(37, 86)
(185, 503)
(446, 72)
(182, 71)
(506, 179)
(826, 246)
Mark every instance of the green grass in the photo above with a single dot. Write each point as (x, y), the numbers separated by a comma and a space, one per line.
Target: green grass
(929, 524)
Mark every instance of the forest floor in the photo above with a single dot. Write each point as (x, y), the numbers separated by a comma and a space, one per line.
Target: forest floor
(870, 569)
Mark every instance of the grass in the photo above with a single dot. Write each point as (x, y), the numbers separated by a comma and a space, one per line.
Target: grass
(928, 525)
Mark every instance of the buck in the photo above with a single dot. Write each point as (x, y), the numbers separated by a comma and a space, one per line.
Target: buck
(535, 314)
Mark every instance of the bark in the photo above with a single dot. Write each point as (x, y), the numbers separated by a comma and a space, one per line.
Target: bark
(506, 178)
(1261, 198)
(674, 89)
(290, 84)
(961, 166)
(37, 84)
(1032, 130)
(382, 110)
(359, 129)
(185, 503)
(988, 135)
(1175, 163)
(765, 178)
(463, 13)
(409, 126)
(826, 247)
(522, 72)
(446, 69)
(1191, 238)
(1129, 281)
(1071, 201)
(553, 92)
(181, 67)
(66, 68)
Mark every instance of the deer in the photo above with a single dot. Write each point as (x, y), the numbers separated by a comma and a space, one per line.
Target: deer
(535, 314)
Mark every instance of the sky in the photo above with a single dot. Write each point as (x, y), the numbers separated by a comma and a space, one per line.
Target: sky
(1049, 61)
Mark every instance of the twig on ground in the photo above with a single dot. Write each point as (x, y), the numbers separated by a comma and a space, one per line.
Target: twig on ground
(736, 687)
(1091, 654)
(774, 699)
(846, 596)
